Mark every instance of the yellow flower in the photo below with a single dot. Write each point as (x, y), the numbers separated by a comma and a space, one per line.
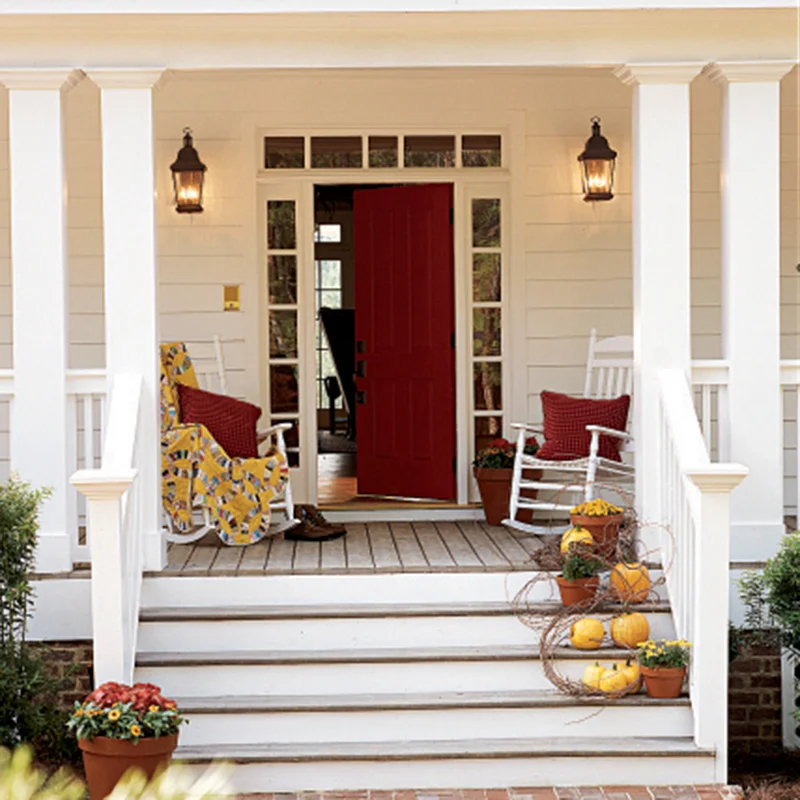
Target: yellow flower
(136, 730)
(78, 712)
(153, 709)
(114, 714)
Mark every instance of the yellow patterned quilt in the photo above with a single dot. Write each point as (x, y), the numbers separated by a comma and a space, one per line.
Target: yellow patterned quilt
(196, 470)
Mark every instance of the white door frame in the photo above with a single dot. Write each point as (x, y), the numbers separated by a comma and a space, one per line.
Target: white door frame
(298, 185)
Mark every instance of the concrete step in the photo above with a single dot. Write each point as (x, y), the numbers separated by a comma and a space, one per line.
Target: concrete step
(370, 671)
(413, 717)
(477, 763)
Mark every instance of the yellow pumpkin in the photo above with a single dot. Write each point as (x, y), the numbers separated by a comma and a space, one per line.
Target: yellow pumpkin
(630, 583)
(587, 634)
(613, 680)
(628, 629)
(576, 535)
(633, 677)
(592, 675)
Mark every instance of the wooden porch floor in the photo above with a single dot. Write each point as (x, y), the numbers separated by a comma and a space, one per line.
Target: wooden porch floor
(468, 546)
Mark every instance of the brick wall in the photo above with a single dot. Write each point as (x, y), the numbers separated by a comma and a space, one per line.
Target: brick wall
(70, 662)
(754, 699)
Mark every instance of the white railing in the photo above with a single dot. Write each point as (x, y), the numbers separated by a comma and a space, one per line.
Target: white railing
(694, 504)
(710, 384)
(113, 506)
(86, 408)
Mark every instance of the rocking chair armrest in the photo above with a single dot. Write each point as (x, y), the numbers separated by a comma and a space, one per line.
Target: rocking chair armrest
(525, 426)
(600, 429)
(263, 435)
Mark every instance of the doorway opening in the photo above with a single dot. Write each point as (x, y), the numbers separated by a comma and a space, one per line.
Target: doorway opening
(385, 344)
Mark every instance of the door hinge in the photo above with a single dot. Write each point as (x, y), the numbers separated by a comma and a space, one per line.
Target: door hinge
(454, 465)
(452, 217)
(453, 341)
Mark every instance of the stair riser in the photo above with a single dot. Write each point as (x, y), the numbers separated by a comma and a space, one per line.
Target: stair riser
(339, 634)
(473, 773)
(358, 679)
(439, 724)
(283, 590)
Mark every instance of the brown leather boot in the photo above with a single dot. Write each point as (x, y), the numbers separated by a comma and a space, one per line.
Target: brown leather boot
(313, 526)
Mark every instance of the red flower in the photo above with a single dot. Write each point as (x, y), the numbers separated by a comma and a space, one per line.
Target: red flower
(500, 444)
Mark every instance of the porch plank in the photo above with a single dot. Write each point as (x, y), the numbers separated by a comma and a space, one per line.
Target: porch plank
(281, 555)
(201, 558)
(411, 555)
(333, 556)
(177, 556)
(359, 554)
(433, 548)
(384, 553)
(460, 549)
(306, 556)
(506, 543)
(227, 560)
(254, 558)
(484, 547)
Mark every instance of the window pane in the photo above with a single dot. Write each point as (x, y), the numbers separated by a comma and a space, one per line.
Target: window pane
(326, 364)
(282, 271)
(330, 299)
(486, 331)
(336, 152)
(430, 151)
(283, 334)
(486, 277)
(280, 225)
(383, 151)
(480, 151)
(485, 223)
(284, 152)
(293, 457)
(486, 429)
(486, 379)
(330, 274)
(292, 436)
(328, 233)
(283, 389)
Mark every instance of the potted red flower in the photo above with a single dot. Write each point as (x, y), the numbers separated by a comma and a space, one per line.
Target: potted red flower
(492, 468)
(120, 727)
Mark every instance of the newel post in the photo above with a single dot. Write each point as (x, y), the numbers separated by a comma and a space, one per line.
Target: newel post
(711, 613)
(104, 520)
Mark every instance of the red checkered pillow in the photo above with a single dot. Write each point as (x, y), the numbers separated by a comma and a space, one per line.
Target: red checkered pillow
(230, 421)
(565, 421)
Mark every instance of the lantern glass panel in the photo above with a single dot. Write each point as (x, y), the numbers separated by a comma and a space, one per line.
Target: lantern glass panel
(598, 177)
(188, 188)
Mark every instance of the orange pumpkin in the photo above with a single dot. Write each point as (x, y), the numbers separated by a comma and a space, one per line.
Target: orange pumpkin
(627, 630)
(630, 583)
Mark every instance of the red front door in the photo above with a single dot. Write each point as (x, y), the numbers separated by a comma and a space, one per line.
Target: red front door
(405, 361)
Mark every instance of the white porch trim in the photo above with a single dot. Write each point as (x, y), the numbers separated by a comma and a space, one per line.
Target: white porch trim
(131, 274)
(661, 253)
(751, 222)
(39, 266)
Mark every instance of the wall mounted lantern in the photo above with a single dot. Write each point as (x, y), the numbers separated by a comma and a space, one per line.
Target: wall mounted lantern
(597, 166)
(188, 173)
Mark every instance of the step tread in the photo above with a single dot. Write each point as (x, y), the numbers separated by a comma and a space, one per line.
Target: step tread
(408, 701)
(370, 655)
(549, 747)
(363, 610)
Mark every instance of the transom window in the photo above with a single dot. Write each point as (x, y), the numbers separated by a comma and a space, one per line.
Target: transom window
(409, 151)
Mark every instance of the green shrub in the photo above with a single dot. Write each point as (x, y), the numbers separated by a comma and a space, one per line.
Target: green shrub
(28, 708)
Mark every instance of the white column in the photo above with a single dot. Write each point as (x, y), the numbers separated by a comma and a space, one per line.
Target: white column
(39, 277)
(661, 246)
(750, 182)
(131, 276)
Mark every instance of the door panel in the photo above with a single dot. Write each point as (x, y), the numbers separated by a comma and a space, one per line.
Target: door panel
(405, 319)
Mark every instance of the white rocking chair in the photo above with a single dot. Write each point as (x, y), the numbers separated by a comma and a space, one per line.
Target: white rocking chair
(209, 366)
(609, 374)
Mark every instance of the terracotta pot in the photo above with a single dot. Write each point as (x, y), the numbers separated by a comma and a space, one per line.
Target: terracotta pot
(495, 488)
(107, 760)
(577, 591)
(663, 682)
(604, 530)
